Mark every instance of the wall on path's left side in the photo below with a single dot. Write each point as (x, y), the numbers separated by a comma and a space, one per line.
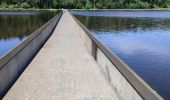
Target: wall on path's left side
(14, 63)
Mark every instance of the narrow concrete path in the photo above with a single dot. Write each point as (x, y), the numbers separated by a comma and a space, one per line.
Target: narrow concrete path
(62, 70)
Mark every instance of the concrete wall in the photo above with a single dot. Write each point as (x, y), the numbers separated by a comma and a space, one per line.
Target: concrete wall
(13, 64)
(117, 80)
(119, 84)
(126, 83)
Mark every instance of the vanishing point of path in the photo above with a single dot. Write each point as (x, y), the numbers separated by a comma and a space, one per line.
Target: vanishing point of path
(62, 70)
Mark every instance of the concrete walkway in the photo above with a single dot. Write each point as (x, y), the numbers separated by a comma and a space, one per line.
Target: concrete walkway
(62, 70)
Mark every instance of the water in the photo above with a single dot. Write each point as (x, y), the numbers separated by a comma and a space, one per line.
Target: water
(18, 25)
(140, 38)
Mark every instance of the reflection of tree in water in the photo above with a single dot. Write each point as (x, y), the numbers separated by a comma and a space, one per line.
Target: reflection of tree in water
(116, 24)
(20, 26)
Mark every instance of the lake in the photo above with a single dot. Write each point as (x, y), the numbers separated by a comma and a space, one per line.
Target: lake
(140, 38)
(15, 26)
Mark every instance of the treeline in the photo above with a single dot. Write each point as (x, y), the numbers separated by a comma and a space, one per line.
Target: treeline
(85, 4)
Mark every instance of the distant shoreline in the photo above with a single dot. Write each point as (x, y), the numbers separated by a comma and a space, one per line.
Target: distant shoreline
(22, 9)
(37, 9)
(154, 9)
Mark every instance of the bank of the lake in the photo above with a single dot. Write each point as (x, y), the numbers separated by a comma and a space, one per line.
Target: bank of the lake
(37, 9)
(29, 9)
(154, 9)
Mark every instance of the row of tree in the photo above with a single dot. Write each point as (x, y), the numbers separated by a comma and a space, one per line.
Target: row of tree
(84, 4)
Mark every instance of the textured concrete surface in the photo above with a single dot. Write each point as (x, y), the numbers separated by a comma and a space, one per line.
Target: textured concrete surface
(62, 70)
(119, 83)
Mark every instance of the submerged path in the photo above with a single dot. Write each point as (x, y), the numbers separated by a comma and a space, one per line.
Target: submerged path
(62, 70)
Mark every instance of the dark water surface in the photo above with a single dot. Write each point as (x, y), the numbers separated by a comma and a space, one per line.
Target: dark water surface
(16, 26)
(141, 39)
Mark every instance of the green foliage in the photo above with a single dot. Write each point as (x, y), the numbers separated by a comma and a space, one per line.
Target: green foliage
(11, 6)
(99, 5)
(25, 5)
(85, 4)
(88, 5)
(139, 5)
(17, 6)
(3, 5)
